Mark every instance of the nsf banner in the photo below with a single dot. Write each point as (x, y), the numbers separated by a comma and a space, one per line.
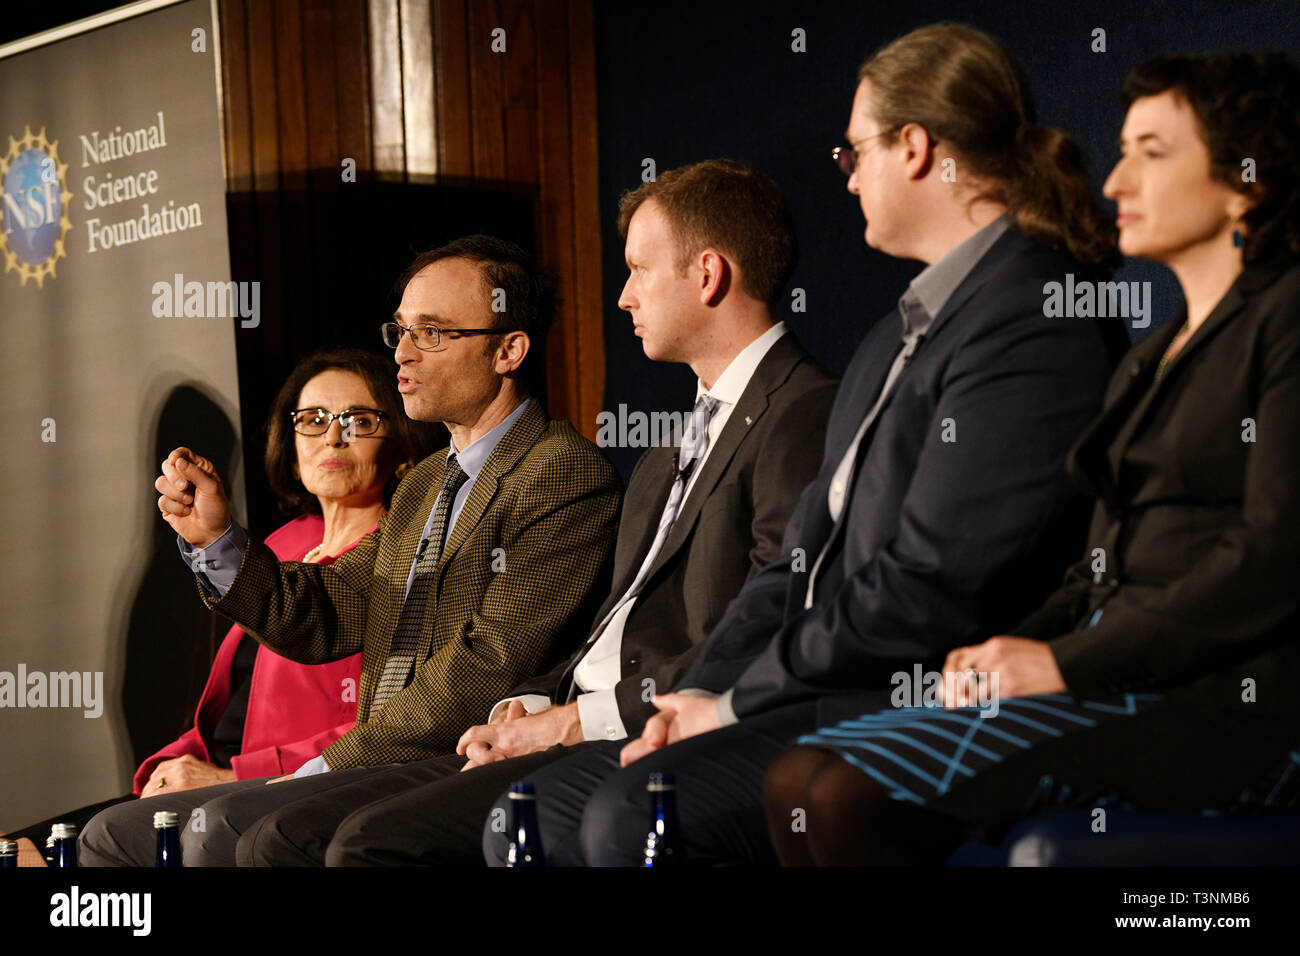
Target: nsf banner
(117, 342)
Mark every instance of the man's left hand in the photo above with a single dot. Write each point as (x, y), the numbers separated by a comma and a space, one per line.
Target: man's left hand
(488, 743)
(680, 716)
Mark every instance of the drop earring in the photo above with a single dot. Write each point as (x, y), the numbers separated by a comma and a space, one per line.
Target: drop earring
(1237, 241)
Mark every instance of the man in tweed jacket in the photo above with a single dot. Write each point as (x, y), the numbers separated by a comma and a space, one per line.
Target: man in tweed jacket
(527, 537)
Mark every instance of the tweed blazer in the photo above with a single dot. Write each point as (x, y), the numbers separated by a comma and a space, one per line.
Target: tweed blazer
(516, 588)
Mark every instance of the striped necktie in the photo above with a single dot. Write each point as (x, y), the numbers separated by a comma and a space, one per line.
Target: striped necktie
(400, 665)
(695, 442)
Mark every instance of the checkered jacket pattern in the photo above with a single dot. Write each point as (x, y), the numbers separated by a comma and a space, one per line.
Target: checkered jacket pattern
(517, 586)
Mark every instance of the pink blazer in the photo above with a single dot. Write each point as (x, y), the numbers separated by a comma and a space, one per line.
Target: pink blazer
(294, 710)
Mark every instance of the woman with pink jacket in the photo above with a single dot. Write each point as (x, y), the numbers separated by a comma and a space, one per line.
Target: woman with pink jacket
(338, 443)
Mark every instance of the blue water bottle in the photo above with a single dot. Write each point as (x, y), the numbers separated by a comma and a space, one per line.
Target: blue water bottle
(526, 845)
(663, 842)
(65, 844)
(8, 854)
(168, 825)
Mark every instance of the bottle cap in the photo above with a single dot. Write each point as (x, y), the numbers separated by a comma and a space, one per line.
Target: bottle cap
(660, 782)
(166, 818)
(64, 831)
(523, 790)
(8, 848)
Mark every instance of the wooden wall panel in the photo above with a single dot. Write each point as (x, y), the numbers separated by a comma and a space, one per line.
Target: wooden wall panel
(321, 92)
(238, 111)
(520, 80)
(555, 174)
(587, 364)
(487, 91)
(352, 91)
(290, 93)
(455, 144)
(413, 91)
(419, 103)
(387, 123)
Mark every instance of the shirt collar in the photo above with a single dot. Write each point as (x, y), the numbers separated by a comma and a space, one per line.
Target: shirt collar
(930, 291)
(471, 459)
(731, 384)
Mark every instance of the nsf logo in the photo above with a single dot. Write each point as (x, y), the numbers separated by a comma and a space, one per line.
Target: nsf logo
(34, 201)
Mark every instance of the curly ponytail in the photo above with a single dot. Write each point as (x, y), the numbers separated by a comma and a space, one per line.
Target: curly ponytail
(1052, 198)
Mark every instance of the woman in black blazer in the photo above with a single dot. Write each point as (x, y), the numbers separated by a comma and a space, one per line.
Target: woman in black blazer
(1161, 674)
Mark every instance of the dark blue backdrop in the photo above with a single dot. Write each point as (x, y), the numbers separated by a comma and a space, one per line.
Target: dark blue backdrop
(684, 81)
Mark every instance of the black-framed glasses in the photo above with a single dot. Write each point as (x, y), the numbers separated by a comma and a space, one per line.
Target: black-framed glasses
(427, 337)
(316, 421)
(846, 157)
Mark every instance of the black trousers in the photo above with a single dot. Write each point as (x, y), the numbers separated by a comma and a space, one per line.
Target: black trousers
(421, 814)
(429, 814)
(426, 813)
(592, 812)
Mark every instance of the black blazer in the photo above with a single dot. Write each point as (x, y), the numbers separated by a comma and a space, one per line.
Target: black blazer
(1199, 526)
(945, 542)
(728, 529)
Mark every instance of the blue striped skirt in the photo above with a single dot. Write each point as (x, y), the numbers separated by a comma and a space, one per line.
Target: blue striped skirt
(1056, 750)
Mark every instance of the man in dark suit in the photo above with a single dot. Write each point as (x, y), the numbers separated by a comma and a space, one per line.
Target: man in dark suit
(483, 570)
(939, 511)
(709, 249)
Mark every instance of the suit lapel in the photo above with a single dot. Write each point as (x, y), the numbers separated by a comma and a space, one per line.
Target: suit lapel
(1096, 458)
(1230, 305)
(1089, 460)
(1008, 248)
(878, 350)
(513, 446)
(642, 524)
(1009, 245)
(774, 369)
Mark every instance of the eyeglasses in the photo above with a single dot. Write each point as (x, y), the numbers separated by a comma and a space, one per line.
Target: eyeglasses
(316, 421)
(846, 157)
(427, 337)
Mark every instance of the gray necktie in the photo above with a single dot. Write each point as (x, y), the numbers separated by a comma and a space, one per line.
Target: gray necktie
(406, 638)
(695, 442)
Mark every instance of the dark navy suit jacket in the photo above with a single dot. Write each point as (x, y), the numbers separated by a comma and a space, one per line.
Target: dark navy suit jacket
(960, 515)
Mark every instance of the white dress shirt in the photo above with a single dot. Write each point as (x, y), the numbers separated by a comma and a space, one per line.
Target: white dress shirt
(601, 668)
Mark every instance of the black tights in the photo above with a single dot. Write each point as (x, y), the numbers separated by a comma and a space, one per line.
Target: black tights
(847, 818)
